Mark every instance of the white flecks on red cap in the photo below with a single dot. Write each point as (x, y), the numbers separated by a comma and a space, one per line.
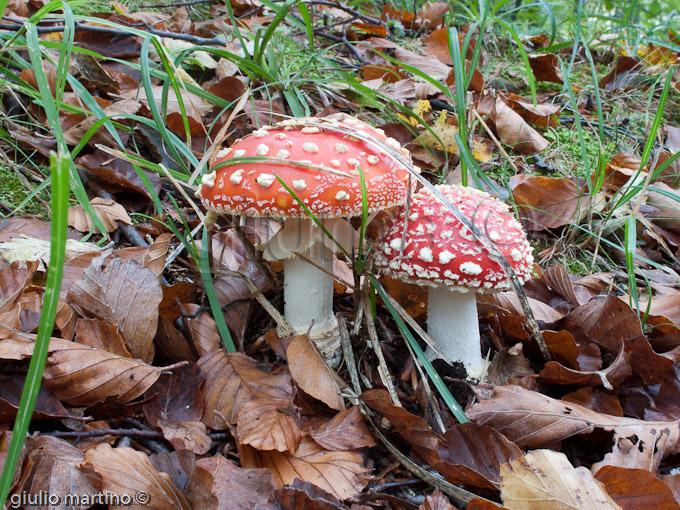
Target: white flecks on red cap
(440, 250)
(322, 166)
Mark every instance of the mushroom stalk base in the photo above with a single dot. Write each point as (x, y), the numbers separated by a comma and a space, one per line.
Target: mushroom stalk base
(308, 296)
(453, 325)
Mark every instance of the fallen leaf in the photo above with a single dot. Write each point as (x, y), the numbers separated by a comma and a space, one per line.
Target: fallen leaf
(596, 400)
(341, 473)
(123, 293)
(118, 172)
(436, 501)
(345, 431)
(515, 131)
(546, 67)
(269, 424)
(430, 66)
(175, 396)
(411, 427)
(474, 456)
(301, 494)
(186, 435)
(546, 202)
(220, 485)
(545, 478)
(101, 335)
(53, 469)
(231, 381)
(532, 420)
(124, 471)
(11, 387)
(636, 489)
(311, 373)
(555, 373)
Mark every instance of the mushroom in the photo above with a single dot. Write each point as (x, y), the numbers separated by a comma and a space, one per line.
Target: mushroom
(439, 252)
(319, 160)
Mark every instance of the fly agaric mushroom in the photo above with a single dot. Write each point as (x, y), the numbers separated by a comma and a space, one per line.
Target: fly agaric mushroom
(319, 160)
(439, 252)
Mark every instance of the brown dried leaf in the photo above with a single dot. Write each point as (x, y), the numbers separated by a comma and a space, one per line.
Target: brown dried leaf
(545, 202)
(123, 293)
(117, 172)
(11, 386)
(555, 373)
(546, 67)
(304, 495)
(545, 478)
(101, 335)
(220, 485)
(175, 396)
(474, 455)
(311, 373)
(232, 380)
(229, 254)
(126, 471)
(596, 400)
(186, 435)
(431, 66)
(533, 420)
(82, 376)
(411, 427)
(542, 114)
(515, 131)
(606, 321)
(54, 470)
(203, 330)
(341, 473)
(436, 501)
(269, 424)
(636, 489)
(345, 431)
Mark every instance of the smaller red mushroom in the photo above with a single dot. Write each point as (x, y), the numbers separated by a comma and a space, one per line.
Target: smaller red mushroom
(439, 252)
(318, 159)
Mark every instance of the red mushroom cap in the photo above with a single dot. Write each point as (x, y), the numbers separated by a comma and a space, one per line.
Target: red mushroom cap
(317, 159)
(440, 250)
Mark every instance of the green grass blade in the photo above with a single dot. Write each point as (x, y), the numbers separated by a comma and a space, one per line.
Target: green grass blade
(212, 297)
(434, 376)
(60, 196)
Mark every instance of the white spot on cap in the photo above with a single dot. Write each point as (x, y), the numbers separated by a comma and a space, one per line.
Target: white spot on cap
(310, 147)
(265, 180)
(335, 162)
(311, 129)
(260, 133)
(209, 179)
(426, 254)
(341, 147)
(494, 236)
(445, 257)
(342, 195)
(223, 153)
(466, 234)
(352, 162)
(470, 268)
(372, 159)
(239, 153)
(282, 154)
(236, 177)
(262, 150)
(280, 136)
(299, 184)
(197, 193)
(516, 254)
(393, 143)
(395, 244)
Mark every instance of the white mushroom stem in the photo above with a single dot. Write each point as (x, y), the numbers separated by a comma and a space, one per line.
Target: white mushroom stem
(308, 292)
(453, 325)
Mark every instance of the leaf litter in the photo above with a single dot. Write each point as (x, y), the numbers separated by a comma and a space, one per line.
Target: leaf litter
(139, 395)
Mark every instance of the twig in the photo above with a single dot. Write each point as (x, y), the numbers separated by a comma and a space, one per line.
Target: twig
(353, 12)
(203, 41)
(148, 434)
(177, 4)
(348, 354)
(382, 366)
